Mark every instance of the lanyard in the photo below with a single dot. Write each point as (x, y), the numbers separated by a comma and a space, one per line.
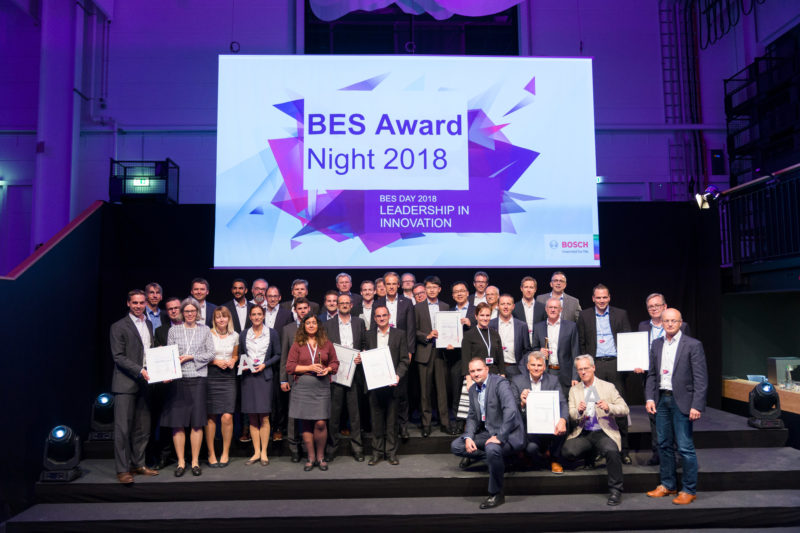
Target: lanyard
(485, 342)
(312, 354)
(186, 338)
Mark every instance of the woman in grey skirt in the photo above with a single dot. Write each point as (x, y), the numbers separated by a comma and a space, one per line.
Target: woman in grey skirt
(222, 385)
(185, 405)
(311, 360)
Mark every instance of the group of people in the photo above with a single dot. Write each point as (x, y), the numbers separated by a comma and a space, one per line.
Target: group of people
(478, 390)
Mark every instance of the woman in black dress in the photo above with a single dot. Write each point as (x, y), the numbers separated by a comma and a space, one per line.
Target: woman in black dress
(482, 341)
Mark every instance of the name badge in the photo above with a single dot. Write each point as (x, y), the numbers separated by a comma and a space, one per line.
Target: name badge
(490, 360)
(601, 341)
(483, 418)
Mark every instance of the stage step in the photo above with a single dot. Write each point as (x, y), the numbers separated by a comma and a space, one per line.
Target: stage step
(578, 512)
(716, 429)
(430, 475)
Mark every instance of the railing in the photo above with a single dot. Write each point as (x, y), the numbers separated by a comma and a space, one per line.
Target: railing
(760, 220)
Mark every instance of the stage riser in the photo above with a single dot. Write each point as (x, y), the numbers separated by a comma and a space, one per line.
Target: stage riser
(618, 519)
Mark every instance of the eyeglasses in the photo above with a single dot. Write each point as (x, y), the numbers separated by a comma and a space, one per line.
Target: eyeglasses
(671, 321)
(188, 312)
(384, 315)
(558, 281)
(655, 306)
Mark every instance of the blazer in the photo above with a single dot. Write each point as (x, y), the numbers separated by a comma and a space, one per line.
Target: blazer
(355, 299)
(522, 341)
(397, 346)
(162, 332)
(472, 345)
(502, 413)
(617, 407)
(231, 305)
(538, 312)
(426, 349)
(644, 325)
(314, 306)
(209, 314)
(587, 327)
(323, 316)
(284, 317)
(358, 310)
(470, 315)
(405, 319)
(287, 339)
(299, 355)
(570, 306)
(272, 356)
(127, 351)
(471, 300)
(567, 349)
(520, 382)
(689, 374)
(357, 327)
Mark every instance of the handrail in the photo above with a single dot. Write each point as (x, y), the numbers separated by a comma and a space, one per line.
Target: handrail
(28, 262)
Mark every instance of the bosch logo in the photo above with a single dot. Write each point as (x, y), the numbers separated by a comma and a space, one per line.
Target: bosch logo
(573, 244)
(554, 244)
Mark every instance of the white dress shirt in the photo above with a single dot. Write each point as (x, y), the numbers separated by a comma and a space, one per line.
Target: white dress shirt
(553, 331)
(668, 353)
(270, 315)
(392, 307)
(383, 338)
(241, 312)
(506, 330)
(345, 333)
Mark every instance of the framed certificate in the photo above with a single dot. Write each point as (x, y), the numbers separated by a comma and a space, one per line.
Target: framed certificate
(448, 325)
(163, 363)
(347, 365)
(378, 368)
(633, 351)
(542, 410)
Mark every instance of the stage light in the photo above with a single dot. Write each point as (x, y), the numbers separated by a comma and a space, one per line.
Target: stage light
(765, 407)
(711, 194)
(102, 424)
(62, 453)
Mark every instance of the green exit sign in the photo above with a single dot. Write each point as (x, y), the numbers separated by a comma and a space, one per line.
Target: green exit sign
(141, 182)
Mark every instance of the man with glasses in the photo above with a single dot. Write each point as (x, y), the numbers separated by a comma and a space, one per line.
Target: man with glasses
(455, 366)
(418, 293)
(344, 282)
(480, 281)
(570, 306)
(160, 449)
(407, 283)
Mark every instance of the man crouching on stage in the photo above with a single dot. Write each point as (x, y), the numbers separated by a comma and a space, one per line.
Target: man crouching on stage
(493, 430)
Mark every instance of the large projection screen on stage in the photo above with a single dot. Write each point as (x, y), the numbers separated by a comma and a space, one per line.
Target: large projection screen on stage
(404, 161)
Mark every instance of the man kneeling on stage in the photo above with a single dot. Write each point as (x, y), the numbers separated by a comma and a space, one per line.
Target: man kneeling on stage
(536, 380)
(593, 404)
(494, 427)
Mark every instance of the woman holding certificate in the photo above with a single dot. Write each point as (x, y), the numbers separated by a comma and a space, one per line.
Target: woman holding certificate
(186, 398)
(482, 341)
(311, 360)
(222, 385)
(260, 348)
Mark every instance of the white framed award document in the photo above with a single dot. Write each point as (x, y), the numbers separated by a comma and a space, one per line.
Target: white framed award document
(378, 368)
(163, 363)
(633, 351)
(448, 325)
(347, 365)
(543, 411)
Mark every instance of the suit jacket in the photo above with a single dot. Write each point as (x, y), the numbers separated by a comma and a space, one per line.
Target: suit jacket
(355, 299)
(570, 306)
(127, 351)
(314, 306)
(287, 339)
(520, 382)
(470, 315)
(358, 310)
(426, 349)
(644, 325)
(357, 327)
(502, 413)
(284, 317)
(231, 305)
(162, 332)
(617, 407)
(587, 327)
(689, 374)
(405, 319)
(567, 348)
(323, 316)
(209, 314)
(522, 342)
(398, 346)
(472, 345)
(538, 312)
(273, 354)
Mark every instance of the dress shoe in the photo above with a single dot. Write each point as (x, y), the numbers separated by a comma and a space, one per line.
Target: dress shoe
(556, 468)
(661, 491)
(144, 471)
(460, 425)
(359, 457)
(654, 460)
(493, 501)
(180, 471)
(626, 459)
(213, 465)
(308, 467)
(452, 429)
(614, 497)
(465, 462)
(375, 459)
(222, 464)
(196, 471)
(684, 498)
(323, 466)
(251, 462)
(444, 429)
(125, 477)
(295, 457)
(404, 433)
(264, 462)
(393, 461)
(277, 436)
(426, 431)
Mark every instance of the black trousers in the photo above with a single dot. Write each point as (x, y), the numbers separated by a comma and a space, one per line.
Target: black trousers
(433, 374)
(131, 429)
(341, 395)
(596, 442)
(383, 410)
(606, 369)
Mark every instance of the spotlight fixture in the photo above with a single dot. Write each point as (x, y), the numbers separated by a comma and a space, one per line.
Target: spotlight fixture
(765, 407)
(62, 453)
(711, 194)
(102, 424)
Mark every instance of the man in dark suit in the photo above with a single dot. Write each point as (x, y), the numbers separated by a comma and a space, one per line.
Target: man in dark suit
(677, 383)
(494, 427)
(348, 331)
(276, 317)
(561, 337)
(301, 309)
(383, 401)
(528, 309)
(401, 316)
(129, 337)
(570, 306)
(300, 290)
(160, 447)
(364, 309)
(331, 306)
(536, 379)
(453, 354)
(239, 306)
(200, 290)
(656, 304)
(514, 337)
(430, 360)
(598, 327)
(481, 282)
(344, 282)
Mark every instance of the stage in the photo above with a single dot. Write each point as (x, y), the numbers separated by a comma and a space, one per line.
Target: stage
(747, 480)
